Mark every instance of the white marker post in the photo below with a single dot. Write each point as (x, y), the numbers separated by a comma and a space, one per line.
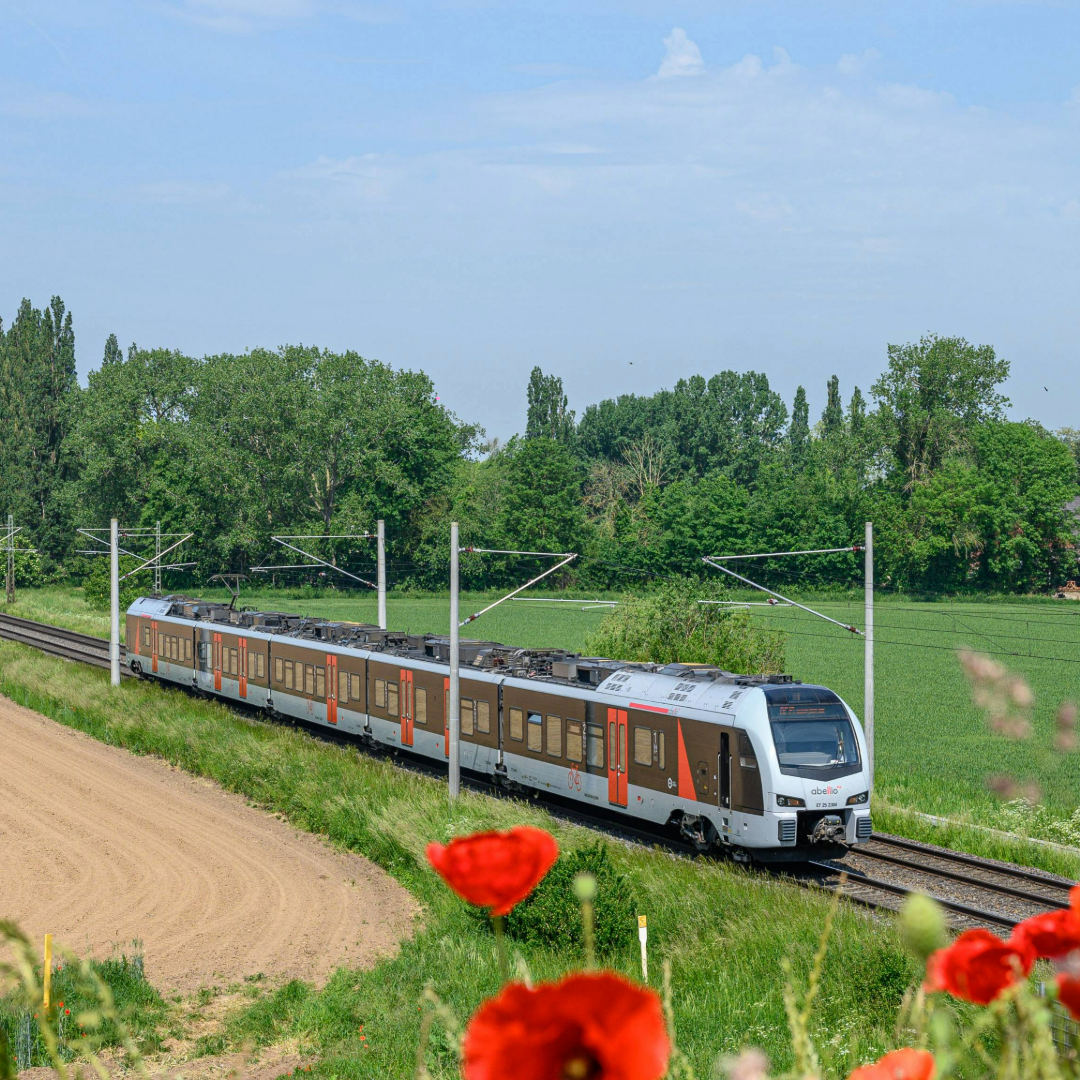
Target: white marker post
(643, 937)
(868, 655)
(453, 720)
(382, 574)
(114, 597)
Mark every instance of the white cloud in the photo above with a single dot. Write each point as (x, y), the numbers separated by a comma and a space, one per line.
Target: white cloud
(857, 63)
(683, 57)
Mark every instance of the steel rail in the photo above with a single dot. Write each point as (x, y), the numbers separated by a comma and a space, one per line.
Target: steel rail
(965, 879)
(856, 877)
(56, 641)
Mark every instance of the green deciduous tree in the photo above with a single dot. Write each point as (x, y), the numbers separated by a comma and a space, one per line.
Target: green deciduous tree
(548, 415)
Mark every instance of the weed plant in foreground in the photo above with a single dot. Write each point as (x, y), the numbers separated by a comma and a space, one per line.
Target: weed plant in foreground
(724, 931)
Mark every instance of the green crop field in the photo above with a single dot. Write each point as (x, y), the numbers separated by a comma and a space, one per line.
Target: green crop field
(934, 750)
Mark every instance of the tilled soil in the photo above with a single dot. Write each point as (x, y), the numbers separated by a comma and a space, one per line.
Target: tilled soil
(101, 847)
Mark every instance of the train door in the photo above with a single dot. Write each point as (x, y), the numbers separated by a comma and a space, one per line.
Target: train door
(617, 781)
(725, 771)
(331, 689)
(153, 643)
(217, 662)
(243, 667)
(446, 716)
(406, 707)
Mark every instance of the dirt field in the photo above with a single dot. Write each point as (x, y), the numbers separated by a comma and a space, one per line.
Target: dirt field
(101, 847)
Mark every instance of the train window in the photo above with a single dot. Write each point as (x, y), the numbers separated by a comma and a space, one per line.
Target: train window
(392, 698)
(253, 660)
(554, 736)
(288, 674)
(747, 758)
(235, 662)
(354, 687)
(309, 679)
(642, 746)
(260, 667)
(468, 723)
(320, 682)
(661, 755)
(279, 670)
(594, 745)
(536, 736)
(343, 687)
(421, 706)
(614, 753)
(573, 740)
(187, 649)
(146, 637)
(622, 748)
(483, 718)
(517, 725)
(380, 693)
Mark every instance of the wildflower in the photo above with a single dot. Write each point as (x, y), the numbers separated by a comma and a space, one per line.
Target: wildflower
(906, 1064)
(589, 1026)
(1069, 993)
(1053, 934)
(495, 870)
(67, 1012)
(978, 966)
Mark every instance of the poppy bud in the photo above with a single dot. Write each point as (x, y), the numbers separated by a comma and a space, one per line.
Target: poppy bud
(585, 887)
(922, 925)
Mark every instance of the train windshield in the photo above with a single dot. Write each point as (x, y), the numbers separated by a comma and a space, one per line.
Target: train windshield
(812, 732)
(815, 744)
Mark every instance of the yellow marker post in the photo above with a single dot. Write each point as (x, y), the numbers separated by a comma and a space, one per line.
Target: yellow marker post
(643, 937)
(48, 969)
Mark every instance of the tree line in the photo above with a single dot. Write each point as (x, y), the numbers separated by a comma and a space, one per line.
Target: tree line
(237, 448)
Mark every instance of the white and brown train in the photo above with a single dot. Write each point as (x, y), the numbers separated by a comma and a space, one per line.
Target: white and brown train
(763, 766)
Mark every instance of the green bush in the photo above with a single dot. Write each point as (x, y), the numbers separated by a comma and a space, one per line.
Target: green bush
(96, 586)
(671, 625)
(551, 915)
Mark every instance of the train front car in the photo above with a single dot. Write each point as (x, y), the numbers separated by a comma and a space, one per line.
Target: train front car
(814, 771)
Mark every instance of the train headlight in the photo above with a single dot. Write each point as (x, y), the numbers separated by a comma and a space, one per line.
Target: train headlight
(789, 800)
(858, 800)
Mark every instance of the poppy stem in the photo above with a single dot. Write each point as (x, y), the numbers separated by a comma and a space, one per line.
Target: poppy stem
(498, 922)
(588, 921)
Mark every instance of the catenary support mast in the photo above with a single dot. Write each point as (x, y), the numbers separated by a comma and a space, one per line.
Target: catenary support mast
(114, 603)
(868, 654)
(453, 720)
(382, 573)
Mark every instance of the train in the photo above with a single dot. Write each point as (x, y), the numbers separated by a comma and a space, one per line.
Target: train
(763, 767)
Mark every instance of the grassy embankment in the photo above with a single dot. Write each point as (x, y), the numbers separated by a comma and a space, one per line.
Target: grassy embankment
(724, 931)
(934, 751)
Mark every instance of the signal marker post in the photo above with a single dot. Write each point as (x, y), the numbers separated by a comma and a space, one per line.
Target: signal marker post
(868, 655)
(643, 937)
(47, 988)
(382, 574)
(114, 604)
(453, 720)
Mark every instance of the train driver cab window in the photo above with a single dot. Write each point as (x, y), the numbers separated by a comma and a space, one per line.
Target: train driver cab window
(343, 687)
(554, 736)
(146, 637)
(536, 733)
(483, 717)
(392, 698)
(594, 745)
(517, 725)
(420, 706)
(642, 746)
(468, 724)
(288, 675)
(573, 740)
(354, 687)
(380, 693)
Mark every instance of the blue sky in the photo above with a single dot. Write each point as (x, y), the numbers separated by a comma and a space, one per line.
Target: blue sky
(624, 193)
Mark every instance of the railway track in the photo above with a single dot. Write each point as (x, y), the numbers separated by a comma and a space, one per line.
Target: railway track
(66, 644)
(878, 874)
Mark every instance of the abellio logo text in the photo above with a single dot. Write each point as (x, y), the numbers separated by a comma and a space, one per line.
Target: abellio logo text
(827, 790)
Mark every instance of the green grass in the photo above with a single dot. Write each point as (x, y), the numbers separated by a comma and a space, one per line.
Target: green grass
(724, 930)
(934, 750)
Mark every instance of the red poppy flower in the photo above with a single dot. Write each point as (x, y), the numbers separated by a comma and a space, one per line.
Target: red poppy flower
(978, 966)
(1069, 993)
(1074, 898)
(899, 1065)
(495, 870)
(1053, 934)
(589, 1026)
